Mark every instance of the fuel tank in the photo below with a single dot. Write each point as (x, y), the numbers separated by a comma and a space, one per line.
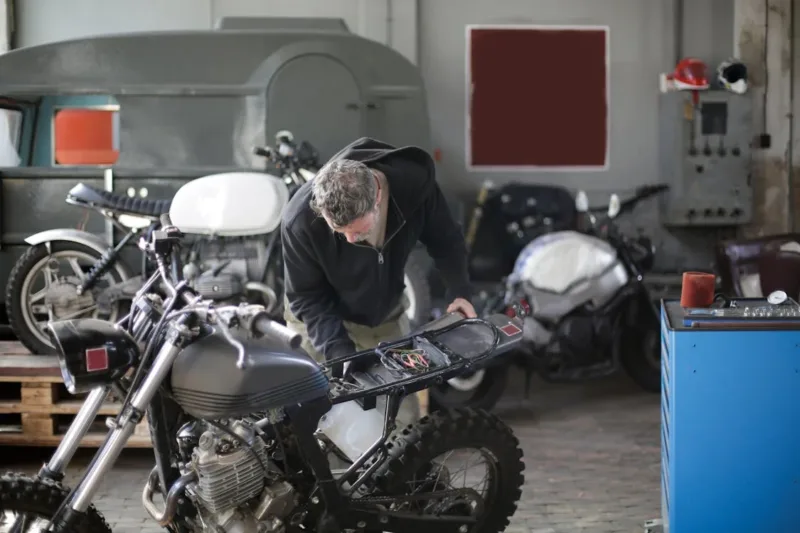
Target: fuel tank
(563, 270)
(207, 384)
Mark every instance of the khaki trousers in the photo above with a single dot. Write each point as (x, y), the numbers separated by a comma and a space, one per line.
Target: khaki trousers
(364, 337)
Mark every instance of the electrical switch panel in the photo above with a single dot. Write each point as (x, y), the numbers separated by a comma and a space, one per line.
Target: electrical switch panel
(705, 159)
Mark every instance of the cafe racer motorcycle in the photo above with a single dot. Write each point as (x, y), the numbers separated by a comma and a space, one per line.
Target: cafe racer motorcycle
(233, 404)
(590, 312)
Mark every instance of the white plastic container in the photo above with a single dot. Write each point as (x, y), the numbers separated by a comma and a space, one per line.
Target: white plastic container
(353, 430)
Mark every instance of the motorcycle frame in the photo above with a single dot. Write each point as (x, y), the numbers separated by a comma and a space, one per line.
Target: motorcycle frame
(111, 256)
(330, 504)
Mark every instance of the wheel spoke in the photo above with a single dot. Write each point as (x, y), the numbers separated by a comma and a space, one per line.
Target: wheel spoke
(38, 296)
(76, 268)
(78, 313)
(49, 277)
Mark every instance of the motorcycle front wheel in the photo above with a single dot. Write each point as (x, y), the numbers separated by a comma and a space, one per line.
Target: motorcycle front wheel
(28, 504)
(433, 455)
(43, 286)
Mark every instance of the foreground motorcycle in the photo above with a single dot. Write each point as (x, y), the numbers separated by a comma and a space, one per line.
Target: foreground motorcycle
(69, 273)
(591, 314)
(234, 405)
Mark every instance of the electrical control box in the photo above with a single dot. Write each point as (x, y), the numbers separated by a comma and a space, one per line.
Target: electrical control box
(705, 152)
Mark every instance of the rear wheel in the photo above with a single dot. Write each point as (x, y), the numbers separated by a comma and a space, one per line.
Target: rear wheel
(424, 457)
(640, 348)
(28, 504)
(42, 287)
(641, 357)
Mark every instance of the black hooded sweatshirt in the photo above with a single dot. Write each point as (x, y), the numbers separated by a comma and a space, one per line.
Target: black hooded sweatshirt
(328, 280)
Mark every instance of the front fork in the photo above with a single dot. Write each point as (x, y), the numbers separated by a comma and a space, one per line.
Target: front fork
(55, 467)
(122, 428)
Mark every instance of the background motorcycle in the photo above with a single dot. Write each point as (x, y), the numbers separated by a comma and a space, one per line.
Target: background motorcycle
(233, 419)
(598, 318)
(69, 273)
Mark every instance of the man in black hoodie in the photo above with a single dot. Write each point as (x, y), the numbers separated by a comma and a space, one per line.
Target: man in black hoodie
(346, 237)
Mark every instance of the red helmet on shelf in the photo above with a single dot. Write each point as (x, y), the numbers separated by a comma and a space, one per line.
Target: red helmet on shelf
(690, 75)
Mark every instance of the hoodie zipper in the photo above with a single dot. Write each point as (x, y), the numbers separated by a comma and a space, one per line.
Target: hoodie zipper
(385, 243)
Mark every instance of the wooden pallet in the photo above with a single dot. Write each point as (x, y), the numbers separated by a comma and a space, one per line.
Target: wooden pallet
(36, 409)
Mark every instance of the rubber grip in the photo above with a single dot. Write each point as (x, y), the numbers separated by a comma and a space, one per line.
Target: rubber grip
(269, 328)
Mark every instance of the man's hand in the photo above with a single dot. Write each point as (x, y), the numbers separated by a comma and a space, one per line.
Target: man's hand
(462, 306)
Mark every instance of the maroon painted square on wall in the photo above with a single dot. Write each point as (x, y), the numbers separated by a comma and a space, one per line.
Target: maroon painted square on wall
(538, 97)
(96, 359)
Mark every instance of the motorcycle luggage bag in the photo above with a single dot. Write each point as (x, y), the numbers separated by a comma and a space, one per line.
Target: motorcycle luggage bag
(514, 215)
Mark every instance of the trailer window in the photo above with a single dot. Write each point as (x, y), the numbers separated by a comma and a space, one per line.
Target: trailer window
(85, 136)
(10, 133)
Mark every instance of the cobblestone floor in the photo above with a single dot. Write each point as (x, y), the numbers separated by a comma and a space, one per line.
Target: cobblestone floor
(591, 455)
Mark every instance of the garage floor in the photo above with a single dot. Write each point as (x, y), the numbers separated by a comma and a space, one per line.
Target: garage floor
(591, 455)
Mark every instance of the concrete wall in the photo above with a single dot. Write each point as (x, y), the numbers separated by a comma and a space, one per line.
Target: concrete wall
(641, 46)
(432, 34)
(794, 168)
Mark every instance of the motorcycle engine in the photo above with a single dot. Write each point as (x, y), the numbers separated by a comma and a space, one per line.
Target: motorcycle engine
(583, 337)
(223, 269)
(579, 338)
(238, 488)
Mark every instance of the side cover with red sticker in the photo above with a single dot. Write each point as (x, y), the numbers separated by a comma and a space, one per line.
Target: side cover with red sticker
(510, 329)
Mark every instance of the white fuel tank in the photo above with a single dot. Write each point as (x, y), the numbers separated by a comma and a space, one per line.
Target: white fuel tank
(232, 204)
(563, 270)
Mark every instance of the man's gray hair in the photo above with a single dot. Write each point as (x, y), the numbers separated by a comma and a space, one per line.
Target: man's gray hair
(343, 191)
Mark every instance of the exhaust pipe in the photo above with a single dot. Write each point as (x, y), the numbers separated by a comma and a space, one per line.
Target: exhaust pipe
(165, 517)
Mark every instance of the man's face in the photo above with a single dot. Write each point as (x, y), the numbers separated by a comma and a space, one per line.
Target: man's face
(359, 229)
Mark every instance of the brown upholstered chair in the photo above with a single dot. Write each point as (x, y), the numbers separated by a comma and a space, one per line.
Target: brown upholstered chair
(780, 270)
(740, 257)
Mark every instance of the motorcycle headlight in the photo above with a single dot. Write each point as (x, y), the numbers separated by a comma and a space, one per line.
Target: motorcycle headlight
(91, 352)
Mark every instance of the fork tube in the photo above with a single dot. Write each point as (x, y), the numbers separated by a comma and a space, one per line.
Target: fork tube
(54, 469)
(111, 449)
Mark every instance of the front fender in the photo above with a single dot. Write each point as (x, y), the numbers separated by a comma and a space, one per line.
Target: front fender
(90, 240)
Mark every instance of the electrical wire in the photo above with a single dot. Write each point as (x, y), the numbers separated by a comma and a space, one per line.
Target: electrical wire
(402, 361)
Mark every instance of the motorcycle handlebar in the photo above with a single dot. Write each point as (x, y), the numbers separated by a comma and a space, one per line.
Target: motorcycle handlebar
(269, 328)
(262, 151)
(642, 193)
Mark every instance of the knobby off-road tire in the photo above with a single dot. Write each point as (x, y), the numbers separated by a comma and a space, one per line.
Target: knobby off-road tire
(41, 499)
(411, 450)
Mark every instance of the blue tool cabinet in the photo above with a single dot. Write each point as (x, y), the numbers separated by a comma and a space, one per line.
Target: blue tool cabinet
(730, 425)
